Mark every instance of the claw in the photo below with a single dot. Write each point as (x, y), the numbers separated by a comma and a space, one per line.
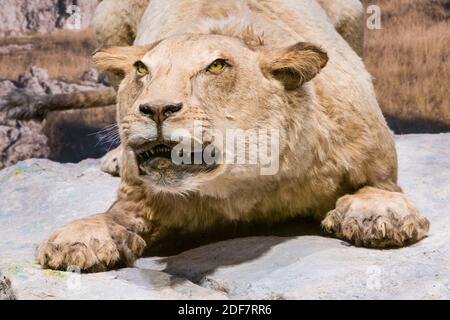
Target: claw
(383, 229)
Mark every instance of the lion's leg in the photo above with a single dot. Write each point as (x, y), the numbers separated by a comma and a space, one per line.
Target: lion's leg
(97, 243)
(376, 218)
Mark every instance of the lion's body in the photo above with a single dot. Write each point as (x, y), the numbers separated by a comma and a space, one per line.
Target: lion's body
(345, 123)
(337, 155)
(116, 22)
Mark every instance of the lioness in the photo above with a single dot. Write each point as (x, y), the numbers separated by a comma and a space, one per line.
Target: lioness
(277, 65)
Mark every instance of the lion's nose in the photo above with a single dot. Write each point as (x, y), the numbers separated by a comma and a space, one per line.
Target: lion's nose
(159, 111)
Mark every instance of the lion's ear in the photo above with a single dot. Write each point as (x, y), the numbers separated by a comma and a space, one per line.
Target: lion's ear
(294, 65)
(117, 61)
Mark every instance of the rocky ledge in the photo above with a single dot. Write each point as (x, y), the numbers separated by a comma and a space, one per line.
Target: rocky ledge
(24, 139)
(38, 195)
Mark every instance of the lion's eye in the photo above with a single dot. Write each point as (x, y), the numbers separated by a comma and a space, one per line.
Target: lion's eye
(217, 65)
(141, 69)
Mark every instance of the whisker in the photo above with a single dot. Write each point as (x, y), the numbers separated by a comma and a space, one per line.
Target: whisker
(107, 128)
(108, 134)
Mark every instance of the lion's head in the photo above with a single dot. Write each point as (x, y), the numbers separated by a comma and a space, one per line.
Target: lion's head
(205, 82)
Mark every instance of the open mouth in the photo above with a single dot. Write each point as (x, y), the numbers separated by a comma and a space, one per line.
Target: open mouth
(158, 151)
(160, 156)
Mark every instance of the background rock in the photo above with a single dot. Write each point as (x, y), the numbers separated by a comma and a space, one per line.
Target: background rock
(60, 131)
(18, 17)
(38, 195)
(6, 86)
(36, 79)
(6, 292)
(21, 140)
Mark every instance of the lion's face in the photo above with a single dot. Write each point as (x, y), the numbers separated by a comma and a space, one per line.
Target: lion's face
(182, 98)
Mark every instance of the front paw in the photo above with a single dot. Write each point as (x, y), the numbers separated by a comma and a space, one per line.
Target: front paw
(93, 244)
(111, 162)
(376, 218)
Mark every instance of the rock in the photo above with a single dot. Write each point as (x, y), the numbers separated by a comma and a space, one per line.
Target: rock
(20, 140)
(6, 86)
(90, 75)
(38, 195)
(35, 79)
(18, 17)
(6, 292)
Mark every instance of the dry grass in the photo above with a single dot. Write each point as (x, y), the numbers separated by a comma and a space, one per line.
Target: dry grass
(65, 54)
(410, 60)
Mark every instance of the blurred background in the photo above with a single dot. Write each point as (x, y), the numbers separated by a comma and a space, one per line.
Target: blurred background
(409, 58)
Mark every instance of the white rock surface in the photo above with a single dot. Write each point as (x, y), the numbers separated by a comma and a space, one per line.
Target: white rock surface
(38, 195)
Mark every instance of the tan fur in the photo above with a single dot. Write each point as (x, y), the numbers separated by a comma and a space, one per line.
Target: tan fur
(376, 218)
(295, 65)
(116, 21)
(348, 18)
(120, 59)
(337, 155)
(111, 162)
